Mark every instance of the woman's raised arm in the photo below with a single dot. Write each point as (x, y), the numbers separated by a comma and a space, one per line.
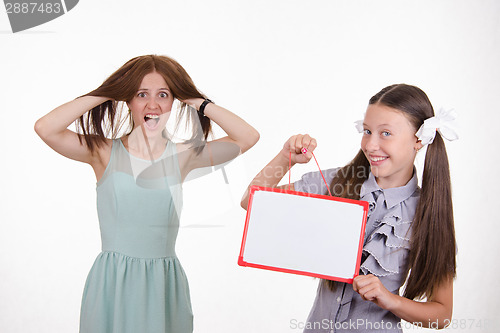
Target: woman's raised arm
(240, 137)
(53, 128)
(238, 131)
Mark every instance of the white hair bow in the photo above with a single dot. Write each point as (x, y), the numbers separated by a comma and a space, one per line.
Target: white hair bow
(443, 122)
(359, 125)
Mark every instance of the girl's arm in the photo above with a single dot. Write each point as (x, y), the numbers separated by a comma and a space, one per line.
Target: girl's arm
(53, 128)
(436, 312)
(275, 170)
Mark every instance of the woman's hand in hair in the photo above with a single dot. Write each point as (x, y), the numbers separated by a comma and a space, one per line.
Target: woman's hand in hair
(301, 147)
(238, 131)
(193, 102)
(371, 289)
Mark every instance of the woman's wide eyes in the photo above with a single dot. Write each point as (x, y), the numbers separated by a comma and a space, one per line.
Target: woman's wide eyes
(385, 133)
(367, 131)
(161, 94)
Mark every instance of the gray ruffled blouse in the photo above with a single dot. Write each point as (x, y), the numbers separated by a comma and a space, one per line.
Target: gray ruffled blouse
(385, 251)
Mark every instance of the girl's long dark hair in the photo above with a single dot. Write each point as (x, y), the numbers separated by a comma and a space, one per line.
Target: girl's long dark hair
(432, 255)
(123, 84)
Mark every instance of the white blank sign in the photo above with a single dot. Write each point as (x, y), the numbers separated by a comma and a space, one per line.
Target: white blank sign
(303, 233)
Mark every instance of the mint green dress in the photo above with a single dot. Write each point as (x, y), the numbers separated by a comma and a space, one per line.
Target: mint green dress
(137, 284)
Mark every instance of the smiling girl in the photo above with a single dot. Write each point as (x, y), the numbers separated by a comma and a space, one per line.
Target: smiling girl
(137, 284)
(409, 232)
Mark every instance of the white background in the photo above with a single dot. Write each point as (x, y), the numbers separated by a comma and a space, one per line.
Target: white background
(285, 67)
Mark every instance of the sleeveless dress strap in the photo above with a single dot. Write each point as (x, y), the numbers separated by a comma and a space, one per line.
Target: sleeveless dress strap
(110, 165)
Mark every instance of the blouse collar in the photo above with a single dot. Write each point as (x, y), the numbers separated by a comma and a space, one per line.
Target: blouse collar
(393, 196)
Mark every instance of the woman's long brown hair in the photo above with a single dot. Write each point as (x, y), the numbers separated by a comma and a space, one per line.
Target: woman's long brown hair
(123, 84)
(432, 255)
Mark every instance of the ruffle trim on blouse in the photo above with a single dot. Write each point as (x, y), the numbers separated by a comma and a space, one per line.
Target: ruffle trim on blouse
(387, 245)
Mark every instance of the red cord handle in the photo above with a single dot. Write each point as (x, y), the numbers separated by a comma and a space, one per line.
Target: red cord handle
(304, 150)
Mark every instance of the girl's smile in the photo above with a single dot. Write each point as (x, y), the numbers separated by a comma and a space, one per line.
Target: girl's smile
(377, 160)
(390, 145)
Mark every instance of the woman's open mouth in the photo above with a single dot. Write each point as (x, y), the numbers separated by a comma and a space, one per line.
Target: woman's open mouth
(151, 121)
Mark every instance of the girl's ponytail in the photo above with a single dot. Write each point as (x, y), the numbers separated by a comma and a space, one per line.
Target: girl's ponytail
(432, 255)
